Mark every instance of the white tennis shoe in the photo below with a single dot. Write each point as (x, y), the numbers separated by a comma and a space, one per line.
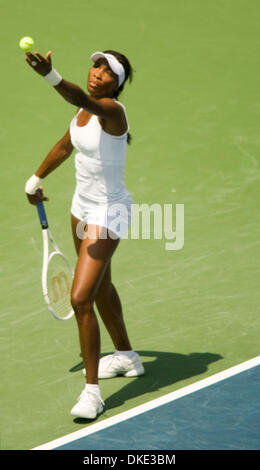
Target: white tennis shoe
(119, 364)
(89, 405)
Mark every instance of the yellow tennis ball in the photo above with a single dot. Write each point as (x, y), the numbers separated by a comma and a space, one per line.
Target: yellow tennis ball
(26, 43)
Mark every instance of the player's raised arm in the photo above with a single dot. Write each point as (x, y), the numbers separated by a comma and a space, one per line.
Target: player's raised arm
(94, 103)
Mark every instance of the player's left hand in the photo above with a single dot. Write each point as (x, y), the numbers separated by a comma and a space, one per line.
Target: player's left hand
(40, 64)
(37, 197)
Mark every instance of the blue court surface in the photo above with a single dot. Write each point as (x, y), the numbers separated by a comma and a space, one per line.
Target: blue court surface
(221, 412)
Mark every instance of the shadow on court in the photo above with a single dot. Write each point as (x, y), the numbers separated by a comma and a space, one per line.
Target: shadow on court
(163, 370)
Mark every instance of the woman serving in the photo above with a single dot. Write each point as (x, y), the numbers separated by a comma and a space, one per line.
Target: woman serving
(99, 133)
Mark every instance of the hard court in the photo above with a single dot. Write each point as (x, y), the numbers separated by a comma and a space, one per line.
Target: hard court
(193, 313)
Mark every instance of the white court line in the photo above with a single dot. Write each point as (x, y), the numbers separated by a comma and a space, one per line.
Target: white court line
(150, 405)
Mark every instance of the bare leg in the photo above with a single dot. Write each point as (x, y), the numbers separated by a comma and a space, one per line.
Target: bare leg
(108, 303)
(110, 310)
(94, 257)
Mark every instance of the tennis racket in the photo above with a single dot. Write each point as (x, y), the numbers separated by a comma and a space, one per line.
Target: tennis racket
(57, 273)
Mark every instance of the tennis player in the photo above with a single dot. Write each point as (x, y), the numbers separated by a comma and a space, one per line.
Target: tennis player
(102, 205)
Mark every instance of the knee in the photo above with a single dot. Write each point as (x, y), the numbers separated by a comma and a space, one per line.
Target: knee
(82, 304)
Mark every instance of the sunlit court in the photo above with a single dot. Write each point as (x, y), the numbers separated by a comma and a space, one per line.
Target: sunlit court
(185, 273)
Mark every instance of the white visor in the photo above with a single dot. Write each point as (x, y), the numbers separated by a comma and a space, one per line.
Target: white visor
(113, 63)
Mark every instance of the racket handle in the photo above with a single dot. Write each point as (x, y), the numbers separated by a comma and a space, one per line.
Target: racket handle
(41, 212)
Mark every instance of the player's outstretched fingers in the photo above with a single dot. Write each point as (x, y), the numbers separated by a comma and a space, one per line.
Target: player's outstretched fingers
(38, 63)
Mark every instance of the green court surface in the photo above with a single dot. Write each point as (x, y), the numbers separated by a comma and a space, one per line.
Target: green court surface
(194, 112)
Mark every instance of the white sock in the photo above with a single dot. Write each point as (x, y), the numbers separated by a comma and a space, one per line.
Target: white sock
(93, 388)
(129, 354)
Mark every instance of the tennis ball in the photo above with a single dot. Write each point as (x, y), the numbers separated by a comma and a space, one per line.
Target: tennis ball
(26, 43)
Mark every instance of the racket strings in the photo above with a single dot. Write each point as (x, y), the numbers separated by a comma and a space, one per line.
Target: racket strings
(59, 280)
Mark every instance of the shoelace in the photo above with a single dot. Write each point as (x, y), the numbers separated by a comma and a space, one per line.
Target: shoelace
(90, 396)
(116, 360)
(108, 360)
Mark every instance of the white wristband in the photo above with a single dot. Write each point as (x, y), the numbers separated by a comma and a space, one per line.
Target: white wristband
(32, 184)
(53, 77)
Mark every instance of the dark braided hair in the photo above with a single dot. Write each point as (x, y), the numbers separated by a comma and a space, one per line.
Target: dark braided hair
(128, 76)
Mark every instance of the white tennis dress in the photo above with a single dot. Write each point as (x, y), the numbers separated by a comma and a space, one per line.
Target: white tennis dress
(100, 197)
